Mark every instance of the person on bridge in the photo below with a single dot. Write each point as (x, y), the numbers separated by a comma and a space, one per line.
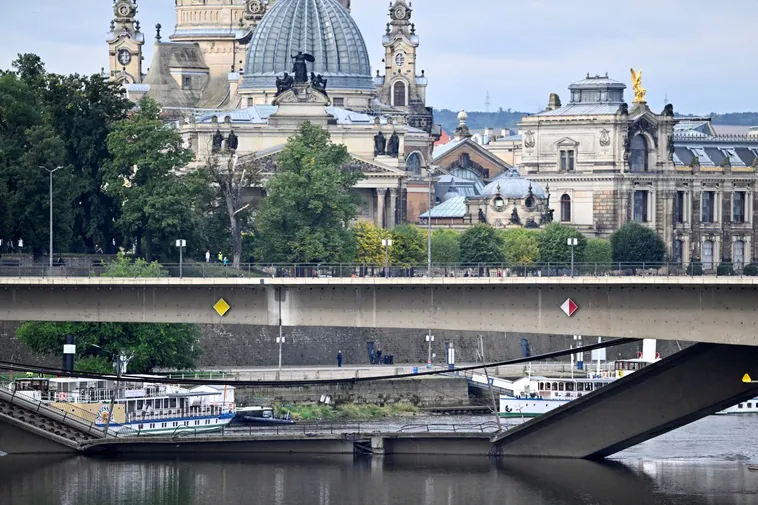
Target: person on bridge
(208, 256)
(339, 359)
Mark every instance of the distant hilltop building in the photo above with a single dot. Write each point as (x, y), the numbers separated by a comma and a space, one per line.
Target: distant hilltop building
(240, 76)
(603, 163)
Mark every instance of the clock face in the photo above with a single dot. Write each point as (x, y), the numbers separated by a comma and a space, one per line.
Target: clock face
(124, 56)
(400, 12)
(123, 10)
(400, 59)
(254, 7)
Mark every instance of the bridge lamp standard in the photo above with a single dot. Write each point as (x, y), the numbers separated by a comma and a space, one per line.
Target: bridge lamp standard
(429, 339)
(181, 244)
(386, 243)
(51, 172)
(572, 242)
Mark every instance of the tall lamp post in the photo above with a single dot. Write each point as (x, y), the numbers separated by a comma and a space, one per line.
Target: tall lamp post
(572, 242)
(430, 172)
(181, 244)
(51, 172)
(429, 339)
(386, 243)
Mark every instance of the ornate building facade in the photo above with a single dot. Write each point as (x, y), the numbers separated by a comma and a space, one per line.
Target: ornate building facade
(229, 76)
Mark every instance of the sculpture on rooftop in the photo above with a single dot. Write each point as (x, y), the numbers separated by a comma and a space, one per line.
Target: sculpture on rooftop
(318, 82)
(639, 91)
(232, 141)
(284, 83)
(379, 144)
(218, 141)
(393, 146)
(300, 66)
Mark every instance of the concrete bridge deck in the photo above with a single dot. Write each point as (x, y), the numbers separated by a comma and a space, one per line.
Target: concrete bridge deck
(702, 309)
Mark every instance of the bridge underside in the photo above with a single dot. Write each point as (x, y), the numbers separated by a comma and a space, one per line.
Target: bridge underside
(696, 382)
(714, 312)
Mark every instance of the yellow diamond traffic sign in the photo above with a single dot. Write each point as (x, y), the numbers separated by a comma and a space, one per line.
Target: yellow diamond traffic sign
(221, 307)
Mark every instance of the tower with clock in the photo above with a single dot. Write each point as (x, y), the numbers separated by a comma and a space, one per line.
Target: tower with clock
(125, 43)
(402, 86)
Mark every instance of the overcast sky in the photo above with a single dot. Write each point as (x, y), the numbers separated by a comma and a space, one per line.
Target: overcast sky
(701, 54)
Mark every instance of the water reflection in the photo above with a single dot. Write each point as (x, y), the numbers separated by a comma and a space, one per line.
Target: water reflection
(390, 481)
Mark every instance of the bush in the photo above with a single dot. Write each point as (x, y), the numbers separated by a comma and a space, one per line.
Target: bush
(725, 269)
(634, 243)
(554, 248)
(695, 268)
(751, 270)
(598, 252)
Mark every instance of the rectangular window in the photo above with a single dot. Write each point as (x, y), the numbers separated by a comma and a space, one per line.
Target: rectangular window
(738, 207)
(709, 205)
(339, 102)
(679, 211)
(640, 206)
(186, 82)
(567, 161)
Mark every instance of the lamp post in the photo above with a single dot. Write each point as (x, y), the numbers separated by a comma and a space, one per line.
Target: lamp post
(181, 244)
(280, 339)
(430, 172)
(429, 339)
(51, 172)
(572, 242)
(386, 243)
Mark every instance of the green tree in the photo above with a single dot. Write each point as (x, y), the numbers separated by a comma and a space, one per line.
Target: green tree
(598, 252)
(156, 205)
(554, 248)
(481, 244)
(446, 247)
(368, 243)
(408, 246)
(521, 246)
(635, 243)
(309, 202)
(153, 345)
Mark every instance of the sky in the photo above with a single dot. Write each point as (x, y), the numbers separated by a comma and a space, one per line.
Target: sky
(698, 54)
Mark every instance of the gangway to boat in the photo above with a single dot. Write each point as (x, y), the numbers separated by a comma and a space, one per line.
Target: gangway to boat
(479, 381)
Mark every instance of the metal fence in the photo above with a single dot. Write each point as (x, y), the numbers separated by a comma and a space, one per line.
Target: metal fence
(346, 270)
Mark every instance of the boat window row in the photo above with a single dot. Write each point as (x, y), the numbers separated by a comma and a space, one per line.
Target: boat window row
(570, 386)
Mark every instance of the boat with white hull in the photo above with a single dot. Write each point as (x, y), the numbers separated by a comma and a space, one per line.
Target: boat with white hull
(139, 408)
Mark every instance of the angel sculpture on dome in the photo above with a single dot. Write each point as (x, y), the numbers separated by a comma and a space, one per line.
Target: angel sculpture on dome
(639, 91)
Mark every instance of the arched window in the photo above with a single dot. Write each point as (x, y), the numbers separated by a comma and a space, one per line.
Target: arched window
(565, 209)
(399, 99)
(708, 255)
(413, 165)
(739, 254)
(638, 160)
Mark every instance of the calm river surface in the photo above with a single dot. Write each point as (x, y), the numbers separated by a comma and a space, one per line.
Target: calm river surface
(704, 463)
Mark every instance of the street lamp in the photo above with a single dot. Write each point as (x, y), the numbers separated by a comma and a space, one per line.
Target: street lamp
(572, 242)
(51, 172)
(430, 172)
(181, 244)
(429, 339)
(386, 243)
(280, 341)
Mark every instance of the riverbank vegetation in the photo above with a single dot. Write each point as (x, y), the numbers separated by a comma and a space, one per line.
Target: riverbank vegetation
(347, 411)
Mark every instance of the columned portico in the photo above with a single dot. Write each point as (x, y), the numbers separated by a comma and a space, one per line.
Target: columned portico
(392, 215)
(381, 195)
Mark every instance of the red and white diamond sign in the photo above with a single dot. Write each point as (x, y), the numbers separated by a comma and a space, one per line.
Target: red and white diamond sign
(569, 307)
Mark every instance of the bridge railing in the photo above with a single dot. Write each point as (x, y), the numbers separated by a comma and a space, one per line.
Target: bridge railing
(437, 270)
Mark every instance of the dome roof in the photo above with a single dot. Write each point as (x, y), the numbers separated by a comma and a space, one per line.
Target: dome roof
(512, 185)
(322, 28)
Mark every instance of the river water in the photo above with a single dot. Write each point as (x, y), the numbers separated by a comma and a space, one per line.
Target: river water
(703, 463)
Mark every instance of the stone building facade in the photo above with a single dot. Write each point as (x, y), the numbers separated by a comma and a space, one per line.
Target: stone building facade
(608, 164)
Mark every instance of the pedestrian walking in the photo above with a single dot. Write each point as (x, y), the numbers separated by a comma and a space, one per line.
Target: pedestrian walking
(208, 256)
(226, 261)
(339, 359)
(220, 257)
(379, 356)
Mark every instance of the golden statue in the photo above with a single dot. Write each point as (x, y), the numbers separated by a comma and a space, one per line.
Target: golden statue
(639, 91)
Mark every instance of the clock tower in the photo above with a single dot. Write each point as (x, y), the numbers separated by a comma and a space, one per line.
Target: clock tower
(125, 43)
(402, 86)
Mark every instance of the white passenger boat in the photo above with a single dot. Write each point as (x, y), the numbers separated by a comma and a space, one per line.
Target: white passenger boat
(748, 407)
(139, 408)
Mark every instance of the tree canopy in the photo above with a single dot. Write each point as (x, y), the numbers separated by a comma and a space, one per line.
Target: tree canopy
(520, 246)
(309, 202)
(153, 345)
(554, 248)
(635, 243)
(598, 252)
(408, 246)
(368, 243)
(446, 247)
(481, 244)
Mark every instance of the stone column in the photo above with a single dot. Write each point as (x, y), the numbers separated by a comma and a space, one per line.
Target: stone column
(381, 194)
(391, 217)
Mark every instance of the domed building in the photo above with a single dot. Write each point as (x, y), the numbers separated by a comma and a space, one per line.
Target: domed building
(240, 77)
